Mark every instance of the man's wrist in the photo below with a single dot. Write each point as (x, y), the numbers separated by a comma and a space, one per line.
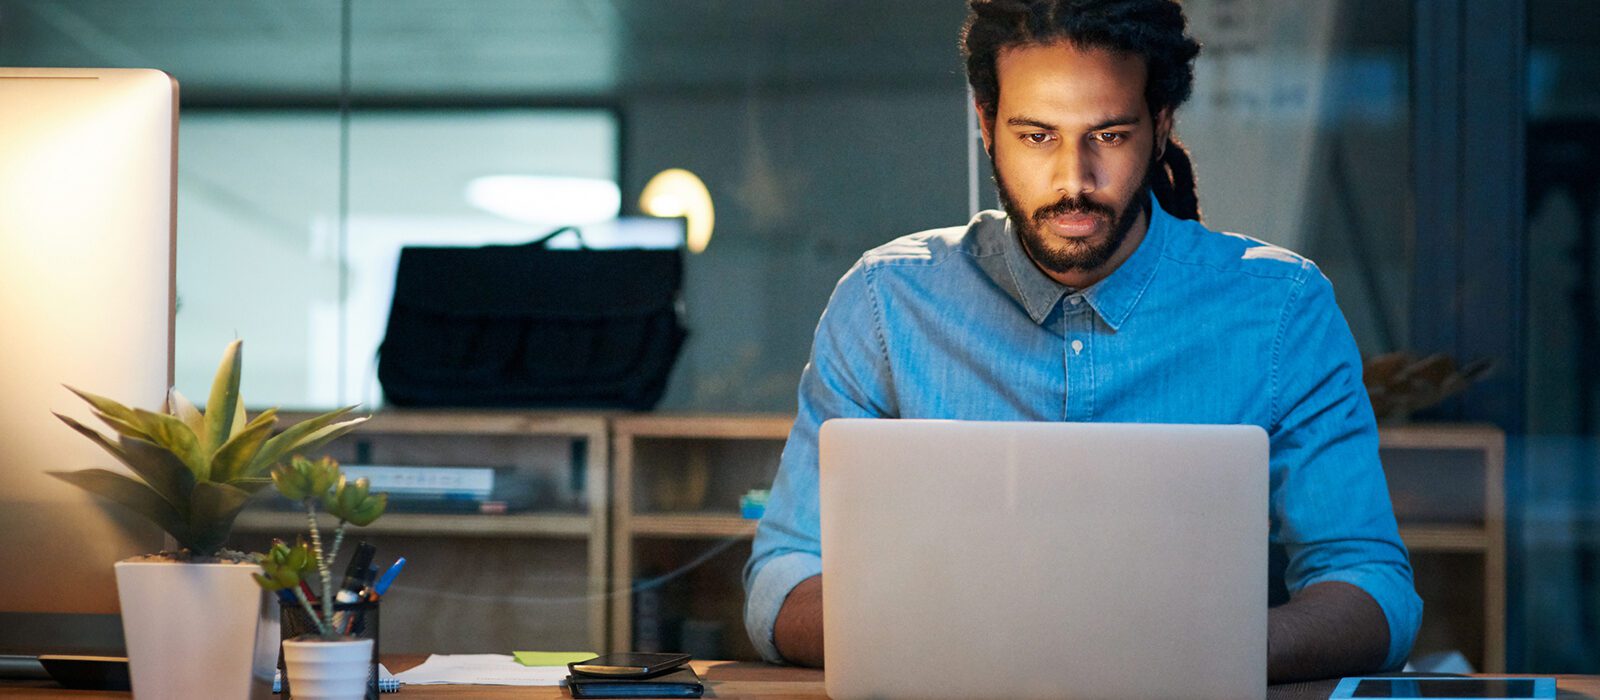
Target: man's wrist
(1328, 630)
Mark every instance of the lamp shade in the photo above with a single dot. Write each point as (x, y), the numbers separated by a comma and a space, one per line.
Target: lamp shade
(678, 192)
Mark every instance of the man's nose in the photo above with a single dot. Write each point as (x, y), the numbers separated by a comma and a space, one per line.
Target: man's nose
(1074, 171)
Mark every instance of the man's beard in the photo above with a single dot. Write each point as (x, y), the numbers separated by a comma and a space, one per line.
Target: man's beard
(1073, 255)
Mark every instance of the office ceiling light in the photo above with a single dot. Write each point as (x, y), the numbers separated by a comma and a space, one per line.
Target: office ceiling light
(545, 199)
(678, 192)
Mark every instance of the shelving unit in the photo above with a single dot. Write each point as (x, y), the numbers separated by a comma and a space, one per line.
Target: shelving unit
(435, 525)
(1447, 485)
(678, 541)
(533, 579)
(1446, 482)
(663, 531)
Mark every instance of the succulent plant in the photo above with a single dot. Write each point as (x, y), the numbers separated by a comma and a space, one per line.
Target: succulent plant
(351, 503)
(195, 470)
(1400, 383)
(302, 479)
(284, 567)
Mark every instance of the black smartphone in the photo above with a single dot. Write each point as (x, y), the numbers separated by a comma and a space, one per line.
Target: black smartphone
(628, 665)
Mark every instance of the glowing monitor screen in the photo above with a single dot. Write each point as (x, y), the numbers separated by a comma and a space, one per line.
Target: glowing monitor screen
(87, 158)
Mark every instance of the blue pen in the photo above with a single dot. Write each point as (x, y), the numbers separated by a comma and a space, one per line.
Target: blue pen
(388, 576)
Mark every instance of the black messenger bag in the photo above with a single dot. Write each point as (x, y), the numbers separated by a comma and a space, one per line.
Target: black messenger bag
(528, 326)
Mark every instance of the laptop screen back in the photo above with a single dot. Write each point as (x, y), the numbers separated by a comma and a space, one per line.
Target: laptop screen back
(973, 559)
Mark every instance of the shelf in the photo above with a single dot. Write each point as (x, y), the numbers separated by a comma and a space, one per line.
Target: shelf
(474, 422)
(570, 452)
(1445, 538)
(1424, 436)
(709, 525)
(288, 523)
(705, 426)
(675, 478)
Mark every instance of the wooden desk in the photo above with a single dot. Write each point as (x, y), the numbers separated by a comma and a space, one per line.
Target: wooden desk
(726, 679)
(723, 679)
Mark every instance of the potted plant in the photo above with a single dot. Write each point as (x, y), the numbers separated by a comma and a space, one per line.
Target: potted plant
(195, 623)
(333, 660)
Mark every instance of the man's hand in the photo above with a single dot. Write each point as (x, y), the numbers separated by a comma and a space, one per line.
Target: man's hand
(1328, 630)
(798, 630)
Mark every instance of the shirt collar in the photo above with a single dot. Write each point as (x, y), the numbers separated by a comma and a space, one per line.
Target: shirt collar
(1037, 292)
(1113, 298)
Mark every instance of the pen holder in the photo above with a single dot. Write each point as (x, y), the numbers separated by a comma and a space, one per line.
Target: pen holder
(362, 623)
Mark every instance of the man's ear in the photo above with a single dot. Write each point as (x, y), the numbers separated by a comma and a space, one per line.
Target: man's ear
(985, 127)
(1163, 127)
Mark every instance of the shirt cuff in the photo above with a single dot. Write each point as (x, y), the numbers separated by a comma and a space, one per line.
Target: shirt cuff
(1401, 606)
(767, 592)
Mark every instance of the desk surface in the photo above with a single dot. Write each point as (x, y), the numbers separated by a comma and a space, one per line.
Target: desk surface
(725, 679)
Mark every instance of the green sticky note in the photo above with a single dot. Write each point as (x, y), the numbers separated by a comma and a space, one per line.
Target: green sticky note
(551, 658)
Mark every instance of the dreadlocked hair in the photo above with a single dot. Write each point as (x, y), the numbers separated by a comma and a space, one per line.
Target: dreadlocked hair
(1154, 30)
(1174, 182)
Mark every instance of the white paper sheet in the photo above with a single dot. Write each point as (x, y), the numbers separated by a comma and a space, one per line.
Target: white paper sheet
(480, 669)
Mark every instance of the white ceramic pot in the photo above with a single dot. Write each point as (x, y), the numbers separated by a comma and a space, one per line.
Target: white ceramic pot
(197, 630)
(322, 670)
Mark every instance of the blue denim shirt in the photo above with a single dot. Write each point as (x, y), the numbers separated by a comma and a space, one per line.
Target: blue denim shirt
(1195, 326)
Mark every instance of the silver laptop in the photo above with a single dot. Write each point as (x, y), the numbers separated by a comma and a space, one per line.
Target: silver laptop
(1032, 560)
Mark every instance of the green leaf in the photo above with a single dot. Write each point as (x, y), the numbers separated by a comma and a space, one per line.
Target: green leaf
(299, 558)
(369, 510)
(351, 503)
(280, 446)
(233, 459)
(123, 427)
(119, 417)
(251, 484)
(180, 406)
(131, 494)
(212, 509)
(266, 421)
(289, 483)
(328, 434)
(302, 478)
(240, 418)
(160, 470)
(283, 567)
(94, 436)
(164, 471)
(171, 433)
(105, 405)
(224, 400)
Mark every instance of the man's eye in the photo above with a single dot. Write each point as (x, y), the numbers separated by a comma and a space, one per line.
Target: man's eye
(1036, 139)
(1109, 138)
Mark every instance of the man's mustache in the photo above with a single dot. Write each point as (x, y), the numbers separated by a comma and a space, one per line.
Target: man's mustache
(1079, 205)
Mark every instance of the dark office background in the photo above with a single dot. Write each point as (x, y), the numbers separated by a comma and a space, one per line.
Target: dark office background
(1439, 158)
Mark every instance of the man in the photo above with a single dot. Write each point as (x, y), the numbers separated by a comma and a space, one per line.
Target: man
(1099, 297)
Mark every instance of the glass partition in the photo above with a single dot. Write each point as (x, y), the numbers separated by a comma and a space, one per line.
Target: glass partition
(1562, 564)
(267, 252)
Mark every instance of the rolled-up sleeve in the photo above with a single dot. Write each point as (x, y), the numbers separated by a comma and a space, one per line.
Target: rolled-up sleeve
(847, 377)
(1330, 503)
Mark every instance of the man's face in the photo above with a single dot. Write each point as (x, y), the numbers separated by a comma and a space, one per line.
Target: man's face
(1072, 143)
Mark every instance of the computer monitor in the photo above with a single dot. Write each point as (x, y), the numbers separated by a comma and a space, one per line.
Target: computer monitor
(87, 238)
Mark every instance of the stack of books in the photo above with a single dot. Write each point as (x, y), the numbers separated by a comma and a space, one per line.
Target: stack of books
(445, 489)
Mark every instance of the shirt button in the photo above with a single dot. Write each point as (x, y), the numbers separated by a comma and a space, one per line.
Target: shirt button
(1074, 300)
(1077, 346)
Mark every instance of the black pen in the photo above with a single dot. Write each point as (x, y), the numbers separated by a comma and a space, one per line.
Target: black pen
(355, 575)
(354, 579)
